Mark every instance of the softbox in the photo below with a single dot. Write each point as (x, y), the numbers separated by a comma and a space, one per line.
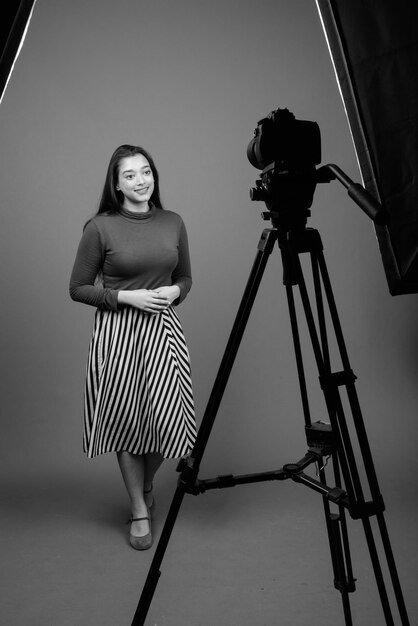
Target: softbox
(374, 50)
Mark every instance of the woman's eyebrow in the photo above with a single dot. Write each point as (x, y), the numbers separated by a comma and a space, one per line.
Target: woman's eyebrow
(144, 167)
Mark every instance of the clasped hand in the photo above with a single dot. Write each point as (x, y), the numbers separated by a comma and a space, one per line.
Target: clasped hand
(153, 300)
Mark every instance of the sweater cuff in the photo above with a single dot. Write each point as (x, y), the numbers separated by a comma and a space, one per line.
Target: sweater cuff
(110, 300)
(184, 290)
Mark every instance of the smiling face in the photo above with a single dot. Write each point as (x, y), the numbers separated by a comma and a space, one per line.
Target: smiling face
(136, 182)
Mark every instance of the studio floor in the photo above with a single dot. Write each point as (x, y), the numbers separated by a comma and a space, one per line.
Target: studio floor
(254, 555)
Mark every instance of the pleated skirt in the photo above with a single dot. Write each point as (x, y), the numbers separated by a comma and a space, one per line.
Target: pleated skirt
(138, 393)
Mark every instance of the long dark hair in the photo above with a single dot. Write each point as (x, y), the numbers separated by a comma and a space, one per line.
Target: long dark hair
(111, 199)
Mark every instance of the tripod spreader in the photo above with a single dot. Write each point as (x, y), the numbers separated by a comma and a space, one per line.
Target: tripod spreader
(293, 471)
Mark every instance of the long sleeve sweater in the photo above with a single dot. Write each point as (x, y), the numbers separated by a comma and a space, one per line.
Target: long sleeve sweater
(130, 251)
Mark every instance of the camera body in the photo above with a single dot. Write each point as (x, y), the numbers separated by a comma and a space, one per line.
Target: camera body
(287, 150)
(290, 143)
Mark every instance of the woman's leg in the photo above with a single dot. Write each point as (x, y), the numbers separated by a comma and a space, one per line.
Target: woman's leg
(152, 462)
(132, 467)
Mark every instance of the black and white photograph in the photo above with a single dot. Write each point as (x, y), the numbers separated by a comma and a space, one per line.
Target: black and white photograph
(209, 336)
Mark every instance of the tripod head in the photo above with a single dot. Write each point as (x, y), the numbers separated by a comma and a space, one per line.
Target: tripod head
(287, 151)
(288, 195)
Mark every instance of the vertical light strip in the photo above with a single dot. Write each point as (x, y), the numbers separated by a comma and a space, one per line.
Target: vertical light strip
(340, 88)
(18, 51)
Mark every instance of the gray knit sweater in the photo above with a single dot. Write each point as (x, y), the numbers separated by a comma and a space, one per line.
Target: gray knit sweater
(130, 251)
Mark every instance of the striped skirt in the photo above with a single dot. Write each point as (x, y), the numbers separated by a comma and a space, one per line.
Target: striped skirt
(138, 394)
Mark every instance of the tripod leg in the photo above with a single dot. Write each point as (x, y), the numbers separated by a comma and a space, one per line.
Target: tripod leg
(344, 532)
(191, 468)
(339, 424)
(330, 382)
(336, 548)
(154, 571)
(298, 354)
(392, 569)
(368, 464)
(339, 548)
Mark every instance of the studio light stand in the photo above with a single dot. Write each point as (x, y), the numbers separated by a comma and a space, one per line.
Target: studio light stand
(288, 195)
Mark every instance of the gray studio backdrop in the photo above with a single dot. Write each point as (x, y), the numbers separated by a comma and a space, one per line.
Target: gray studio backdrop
(188, 80)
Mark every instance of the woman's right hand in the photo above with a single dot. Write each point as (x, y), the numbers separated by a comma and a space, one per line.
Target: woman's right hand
(147, 300)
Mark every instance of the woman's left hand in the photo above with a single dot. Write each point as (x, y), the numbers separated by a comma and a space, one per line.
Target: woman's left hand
(171, 292)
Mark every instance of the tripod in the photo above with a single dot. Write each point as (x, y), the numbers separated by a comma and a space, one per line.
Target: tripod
(325, 439)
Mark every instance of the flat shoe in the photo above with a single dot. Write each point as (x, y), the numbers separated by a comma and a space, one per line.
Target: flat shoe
(143, 542)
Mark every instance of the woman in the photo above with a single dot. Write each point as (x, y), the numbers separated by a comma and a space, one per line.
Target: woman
(133, 265)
